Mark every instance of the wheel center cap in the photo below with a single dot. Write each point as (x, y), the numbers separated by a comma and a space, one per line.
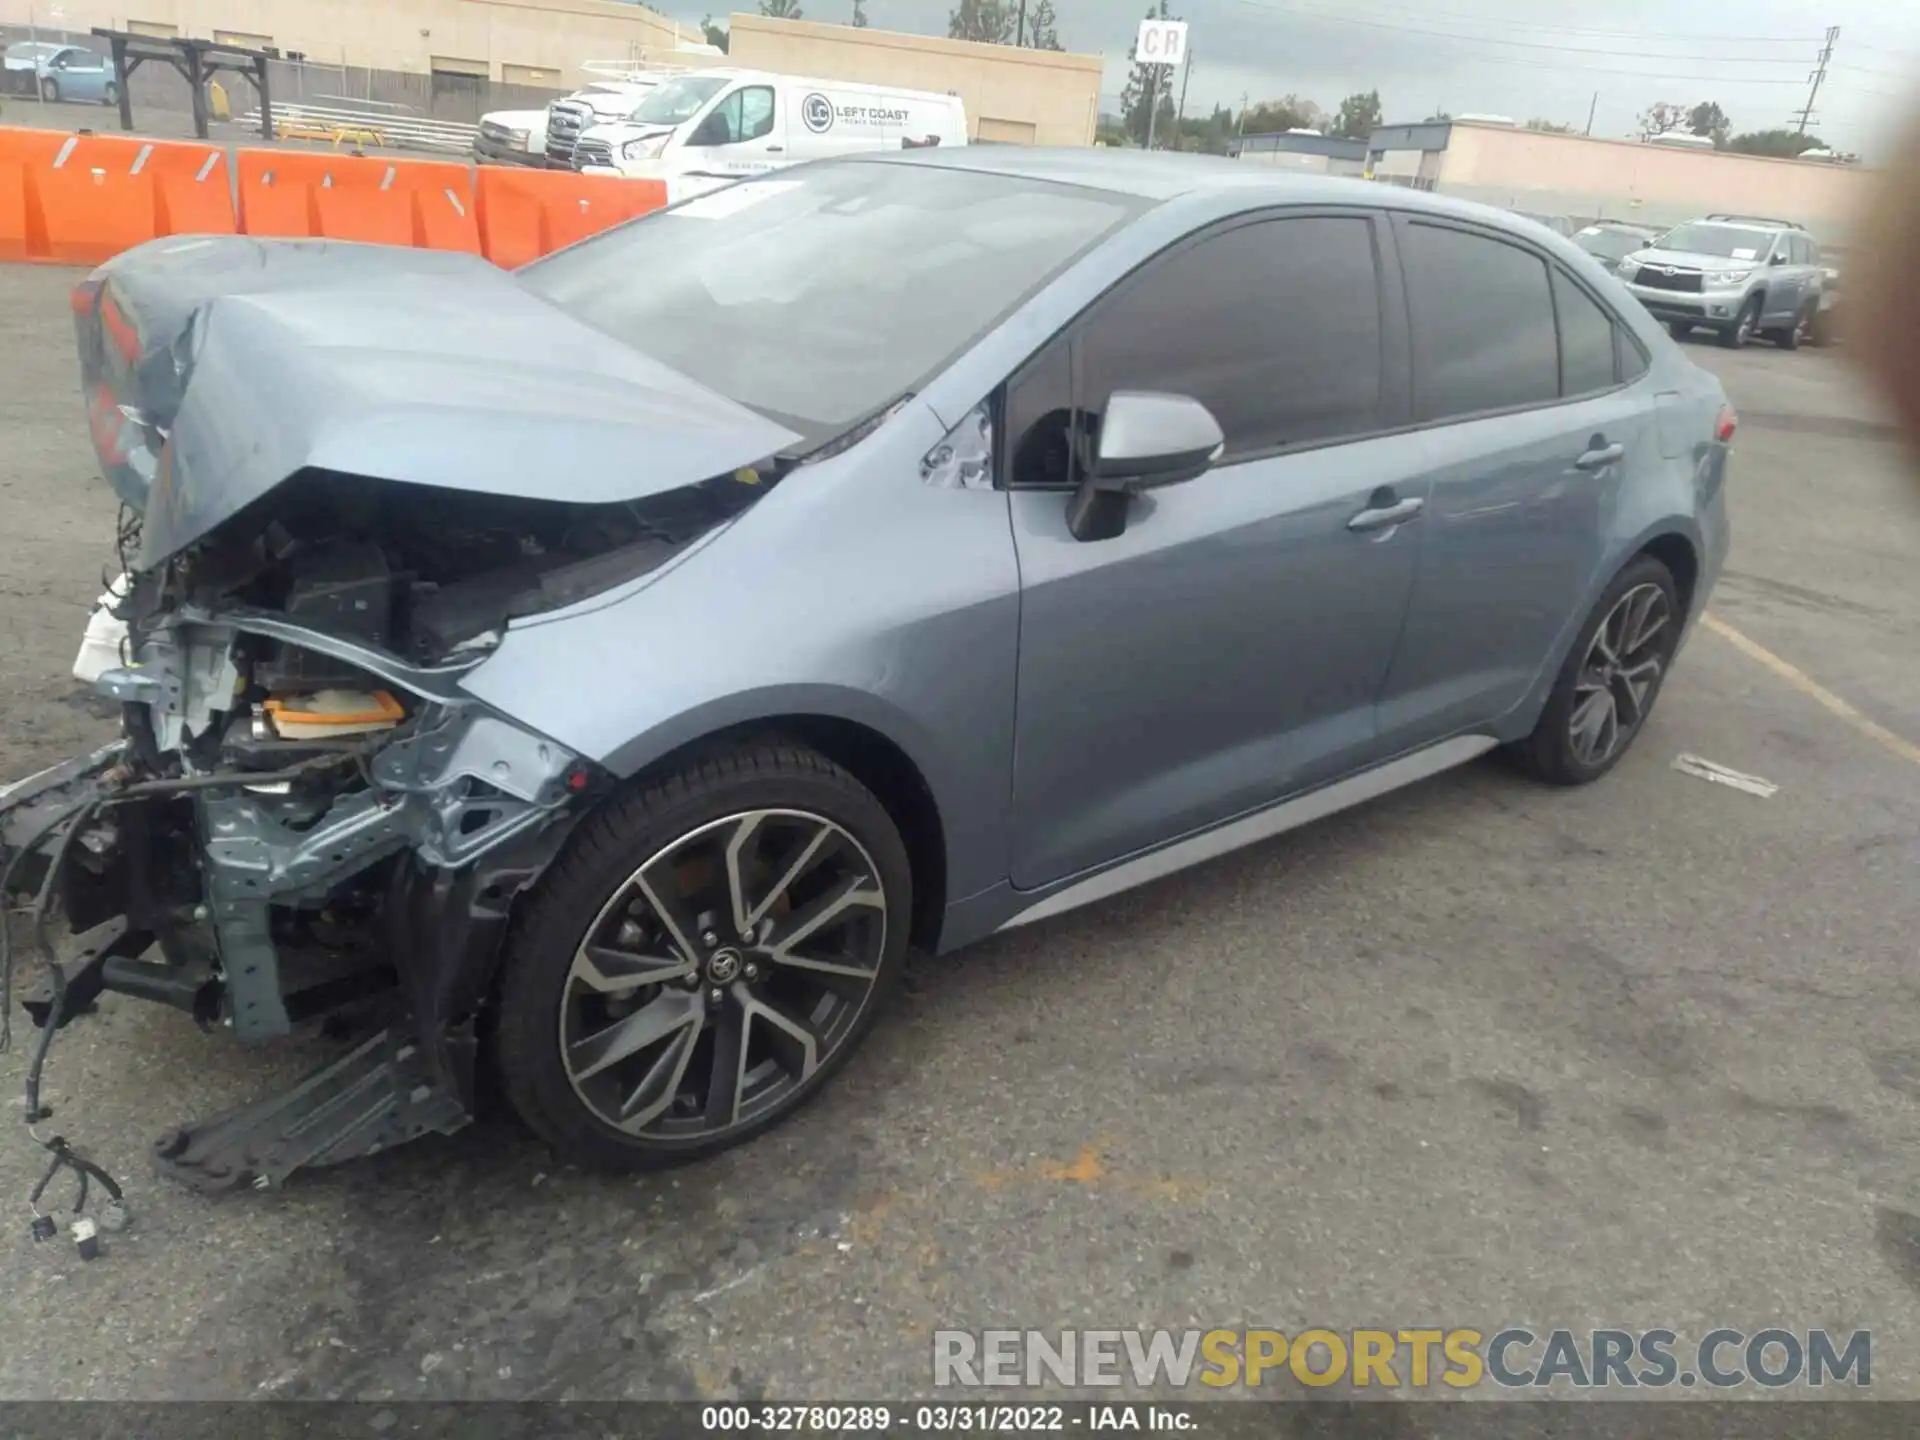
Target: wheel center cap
(723, 966)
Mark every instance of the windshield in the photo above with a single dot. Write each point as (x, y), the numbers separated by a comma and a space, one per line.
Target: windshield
(818, 297)
(1610, 244)
(32, 50)
(677, 101)
(1728, 242)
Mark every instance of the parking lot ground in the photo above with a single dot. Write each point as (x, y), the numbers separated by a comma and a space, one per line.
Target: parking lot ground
(1645, 1054)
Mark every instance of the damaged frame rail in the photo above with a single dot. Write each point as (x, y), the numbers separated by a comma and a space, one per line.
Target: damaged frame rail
(468, 807)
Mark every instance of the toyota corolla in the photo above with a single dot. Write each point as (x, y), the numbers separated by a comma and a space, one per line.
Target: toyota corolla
(603, 672)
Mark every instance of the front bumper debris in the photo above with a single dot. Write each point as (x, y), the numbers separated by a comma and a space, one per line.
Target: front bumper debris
(379, 1094)
(369, 886)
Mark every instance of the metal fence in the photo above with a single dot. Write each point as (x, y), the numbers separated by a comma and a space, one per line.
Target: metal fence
(462, 99)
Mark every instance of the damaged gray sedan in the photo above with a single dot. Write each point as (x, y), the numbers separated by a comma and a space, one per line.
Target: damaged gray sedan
(602, 672)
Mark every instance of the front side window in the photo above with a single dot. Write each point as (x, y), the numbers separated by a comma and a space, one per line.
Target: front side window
(1274, 327)
(821, 296)
(743, 115)
(1483, 323)
(674, 102)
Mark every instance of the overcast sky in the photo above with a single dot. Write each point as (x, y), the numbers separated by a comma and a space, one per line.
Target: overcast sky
(1511, 57)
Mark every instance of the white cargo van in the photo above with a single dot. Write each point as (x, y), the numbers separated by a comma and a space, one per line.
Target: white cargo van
(727, 122)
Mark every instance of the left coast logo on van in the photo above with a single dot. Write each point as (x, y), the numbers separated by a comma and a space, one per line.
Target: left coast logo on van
(816, 113)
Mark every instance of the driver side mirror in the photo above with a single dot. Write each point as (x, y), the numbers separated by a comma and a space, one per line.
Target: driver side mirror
(1778, 260)
(712, 131)
(1145, 440)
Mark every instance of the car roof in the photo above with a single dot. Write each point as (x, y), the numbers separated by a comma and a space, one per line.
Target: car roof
(1159, 176)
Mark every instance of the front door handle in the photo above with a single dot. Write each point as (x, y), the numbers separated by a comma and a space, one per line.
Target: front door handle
(1383, 517)
(775, 149)
(1601, 456)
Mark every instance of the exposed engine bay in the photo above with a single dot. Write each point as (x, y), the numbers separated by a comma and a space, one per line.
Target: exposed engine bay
(307, 818)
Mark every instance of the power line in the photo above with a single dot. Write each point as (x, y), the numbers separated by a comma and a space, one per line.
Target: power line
(1498, 22)
(1305, 13)
(1279, 12)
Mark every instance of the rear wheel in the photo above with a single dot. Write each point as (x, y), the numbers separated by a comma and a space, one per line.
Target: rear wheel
(708, 951)
(1610, 681)
(111, 95)
(1796, 334)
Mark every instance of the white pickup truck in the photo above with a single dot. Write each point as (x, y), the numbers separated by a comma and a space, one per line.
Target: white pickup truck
(528, 137)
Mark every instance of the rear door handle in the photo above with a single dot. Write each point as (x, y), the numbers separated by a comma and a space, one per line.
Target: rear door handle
(1382, 517)
(1601, 456)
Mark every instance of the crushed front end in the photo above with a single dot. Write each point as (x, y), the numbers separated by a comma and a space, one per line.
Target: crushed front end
(295, 827)
(307, 819)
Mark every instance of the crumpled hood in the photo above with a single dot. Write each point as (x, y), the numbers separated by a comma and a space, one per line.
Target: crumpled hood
(417, 367)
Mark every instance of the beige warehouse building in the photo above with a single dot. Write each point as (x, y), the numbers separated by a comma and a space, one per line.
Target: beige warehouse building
(1577, 175)
(1041, 97)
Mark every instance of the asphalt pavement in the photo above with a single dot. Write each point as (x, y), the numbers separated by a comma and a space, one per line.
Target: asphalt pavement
(1643, 1054)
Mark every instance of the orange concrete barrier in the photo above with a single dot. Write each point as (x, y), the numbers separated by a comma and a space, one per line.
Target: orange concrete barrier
(525, 214)
(423, 203)
(82, 199)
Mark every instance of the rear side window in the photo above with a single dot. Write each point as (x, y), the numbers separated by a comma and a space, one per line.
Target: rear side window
(1483, 325)
(1586, 339)
(1274, 326)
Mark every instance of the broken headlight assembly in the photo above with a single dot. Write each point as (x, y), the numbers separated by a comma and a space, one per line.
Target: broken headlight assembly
(298, 826)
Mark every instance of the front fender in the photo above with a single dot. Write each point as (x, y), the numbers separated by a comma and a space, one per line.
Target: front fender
(853, 591)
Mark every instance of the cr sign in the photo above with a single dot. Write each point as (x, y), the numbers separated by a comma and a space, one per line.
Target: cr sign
(1161, 42)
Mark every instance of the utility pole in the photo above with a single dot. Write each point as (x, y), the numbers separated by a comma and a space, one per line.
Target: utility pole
(1590, 109)
(1153, 101)
(1020, 26)
(1180, 115)
(1826, 54)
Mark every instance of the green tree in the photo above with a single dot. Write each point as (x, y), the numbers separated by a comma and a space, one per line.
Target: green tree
(1042, 27)
(781, 9)
(1147, 97)
(1550, 127)
(715, 32)
(859, 14)
(1289, 112)
(1358, 116)
(1710, 120)
(987, 21)
(1780, 144)
(1660, 118)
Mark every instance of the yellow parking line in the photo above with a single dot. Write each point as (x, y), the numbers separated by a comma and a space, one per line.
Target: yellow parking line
(1813, 689)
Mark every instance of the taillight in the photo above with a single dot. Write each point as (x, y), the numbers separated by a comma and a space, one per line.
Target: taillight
(1726, 423)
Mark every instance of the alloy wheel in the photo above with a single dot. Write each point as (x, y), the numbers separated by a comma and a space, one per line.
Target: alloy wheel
(1621, 670)
(1743, 327)
(722, 974)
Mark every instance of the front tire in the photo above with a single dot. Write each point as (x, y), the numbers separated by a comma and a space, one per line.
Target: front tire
(702, 958)
(50, 91)
(1679, 329)
(1737, 334)
(1610, 681)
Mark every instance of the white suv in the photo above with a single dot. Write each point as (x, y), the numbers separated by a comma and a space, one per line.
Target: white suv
(1737, 275)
